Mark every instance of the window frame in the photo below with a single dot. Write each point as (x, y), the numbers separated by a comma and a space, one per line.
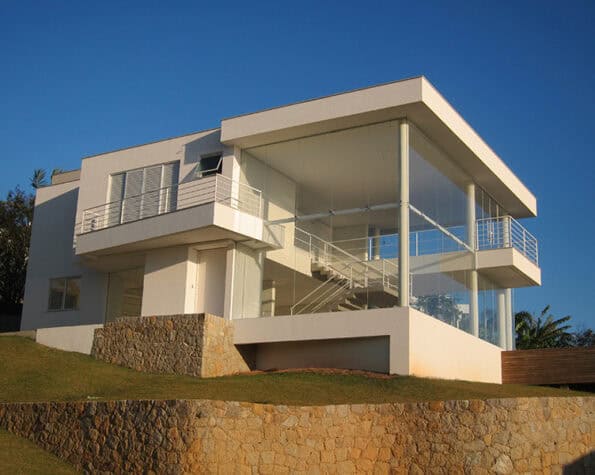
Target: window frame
(65, 281)
(198, 173)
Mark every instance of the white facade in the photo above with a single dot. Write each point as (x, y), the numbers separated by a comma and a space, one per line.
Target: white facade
(296, 222)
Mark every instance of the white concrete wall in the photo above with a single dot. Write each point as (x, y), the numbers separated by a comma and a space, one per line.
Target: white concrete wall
(51, 255)
(95, 170)
(210, 292)
(280, 194)
(438, 350)
(77, 338)
(420, 345)
(391, 322)
(169, 287)
(247, 283)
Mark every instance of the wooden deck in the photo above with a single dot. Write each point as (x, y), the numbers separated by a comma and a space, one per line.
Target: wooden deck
(549, 366)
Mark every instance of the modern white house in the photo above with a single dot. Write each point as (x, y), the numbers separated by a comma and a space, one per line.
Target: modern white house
(372, 229)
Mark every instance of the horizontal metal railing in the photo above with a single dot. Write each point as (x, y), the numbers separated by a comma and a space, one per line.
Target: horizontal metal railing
(491, 233)
(386, 246)
(346, 272)
(503, 232)
(215, 188)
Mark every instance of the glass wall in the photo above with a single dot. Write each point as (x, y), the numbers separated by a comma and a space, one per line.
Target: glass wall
(441, 249)
(336, 194)
(489, 312)
(441, 256)
(124, 294)
(338, 197)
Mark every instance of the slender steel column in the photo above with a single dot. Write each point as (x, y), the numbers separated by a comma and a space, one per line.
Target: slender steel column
(510, 325)
(376, 243)
(474, 279)
(502, 320)
(404, 214)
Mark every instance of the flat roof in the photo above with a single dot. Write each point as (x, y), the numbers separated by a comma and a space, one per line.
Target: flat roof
(415, 99)
(151, 142)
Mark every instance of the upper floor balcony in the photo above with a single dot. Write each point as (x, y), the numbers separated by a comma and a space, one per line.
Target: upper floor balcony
(503, 249)
(202, 210)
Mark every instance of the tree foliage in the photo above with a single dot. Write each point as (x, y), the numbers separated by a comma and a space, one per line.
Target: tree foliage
(38, 179)
(585, 337)
(543, 331)
(442, 307)
(16, 214)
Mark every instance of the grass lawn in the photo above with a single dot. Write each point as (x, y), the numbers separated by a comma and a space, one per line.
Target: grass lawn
(20, 456)
(32, 372)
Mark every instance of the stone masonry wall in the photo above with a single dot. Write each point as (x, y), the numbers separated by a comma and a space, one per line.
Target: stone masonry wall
(526, 435)
(195, 345)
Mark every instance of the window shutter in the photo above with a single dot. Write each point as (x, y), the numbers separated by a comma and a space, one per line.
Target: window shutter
(116, 193)
(152, 184)
(142, 193)
(169, 194)
(132, 195)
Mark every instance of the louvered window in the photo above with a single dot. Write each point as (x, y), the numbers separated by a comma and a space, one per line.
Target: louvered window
(142, 193)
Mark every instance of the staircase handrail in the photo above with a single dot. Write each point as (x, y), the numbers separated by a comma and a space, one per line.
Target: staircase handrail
(361, 276)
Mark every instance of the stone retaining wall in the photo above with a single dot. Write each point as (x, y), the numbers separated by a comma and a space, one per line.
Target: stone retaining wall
(195, 345)
(494, 436)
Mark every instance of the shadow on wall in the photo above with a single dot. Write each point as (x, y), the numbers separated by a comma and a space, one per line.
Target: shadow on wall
(204, 145)
(585, 464)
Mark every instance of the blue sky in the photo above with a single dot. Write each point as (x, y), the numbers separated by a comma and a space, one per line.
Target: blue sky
(78, 78)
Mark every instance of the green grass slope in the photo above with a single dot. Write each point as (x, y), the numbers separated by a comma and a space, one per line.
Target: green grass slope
(32, 372)
(20, 456)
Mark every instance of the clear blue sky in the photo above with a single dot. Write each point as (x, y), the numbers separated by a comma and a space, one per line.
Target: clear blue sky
(78, 78)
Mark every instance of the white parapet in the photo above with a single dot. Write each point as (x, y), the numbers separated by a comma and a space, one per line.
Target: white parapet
(77, 338)
(418, 344)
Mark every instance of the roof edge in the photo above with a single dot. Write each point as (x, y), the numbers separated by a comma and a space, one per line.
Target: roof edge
(469, 136)
(324, 97)
(150, 143)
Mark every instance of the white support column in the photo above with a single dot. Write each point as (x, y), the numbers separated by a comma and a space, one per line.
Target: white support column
(510, 325)
(506, 231)
(404, 214)
(232, 170)
(230, 265)
(471, 221)
(474, 302)
(502, 320)
(474, 279)
(376, 243)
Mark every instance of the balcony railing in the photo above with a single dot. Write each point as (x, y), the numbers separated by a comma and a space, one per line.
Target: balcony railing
(505, 231)
(215, 188)
(345, 272)
(491, 233)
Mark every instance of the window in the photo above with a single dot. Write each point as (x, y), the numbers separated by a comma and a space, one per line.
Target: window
(64, 293)
(144, 192)
(209, 165)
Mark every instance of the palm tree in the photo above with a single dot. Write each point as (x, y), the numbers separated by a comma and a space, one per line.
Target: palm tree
(541, 332)
(39, 178)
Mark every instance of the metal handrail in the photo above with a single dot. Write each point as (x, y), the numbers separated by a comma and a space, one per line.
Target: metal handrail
(427, 241)
(326, 290)
(506, 232)
(354, 271)
(215, 188)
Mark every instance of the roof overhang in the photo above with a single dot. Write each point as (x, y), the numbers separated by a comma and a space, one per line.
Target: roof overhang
(415, 99)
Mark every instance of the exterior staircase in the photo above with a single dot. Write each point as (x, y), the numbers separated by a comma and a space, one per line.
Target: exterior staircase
(347, 282)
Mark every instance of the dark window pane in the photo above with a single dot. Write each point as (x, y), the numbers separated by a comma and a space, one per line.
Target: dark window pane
(209, 165)
(56, 294)
(73, 290)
